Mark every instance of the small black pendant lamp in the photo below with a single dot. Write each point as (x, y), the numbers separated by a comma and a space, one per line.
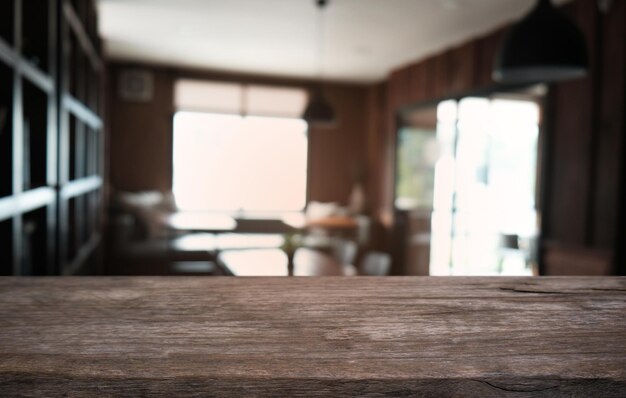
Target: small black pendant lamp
(319, 111)
(545, 46)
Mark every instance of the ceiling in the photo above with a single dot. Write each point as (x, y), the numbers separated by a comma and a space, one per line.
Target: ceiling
(363, 39)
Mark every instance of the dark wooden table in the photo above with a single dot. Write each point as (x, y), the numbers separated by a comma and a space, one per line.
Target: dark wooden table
(411, 336)
(331, 223)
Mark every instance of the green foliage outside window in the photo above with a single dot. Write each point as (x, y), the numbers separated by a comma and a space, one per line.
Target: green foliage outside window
(416, 168)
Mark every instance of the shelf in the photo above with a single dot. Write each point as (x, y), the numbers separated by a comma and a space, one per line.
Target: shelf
(84, 150)
(49, 100)
(82, 256)
(77, 80)
(7, 12)
(80, 111)
(78, 29)
(83, 226)
(36, 198)
(94, 207)
(88, 216)
(80, 204)
(7, 54)
(79, 8)
(6, 247)
(35, 243)
(81, 187)
(71, 238)
(93, 91)
(26, 201)
(75, 131)
(91, 26)
(36, 76)
(35, 136)
(6, 131)
(36, 33)
(91, 149)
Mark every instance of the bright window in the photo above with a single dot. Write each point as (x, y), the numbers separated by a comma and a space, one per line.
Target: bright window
(234, 163)
(495, 186)
(472, 163)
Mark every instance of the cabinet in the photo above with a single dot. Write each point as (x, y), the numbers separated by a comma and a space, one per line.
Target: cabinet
(50, 136)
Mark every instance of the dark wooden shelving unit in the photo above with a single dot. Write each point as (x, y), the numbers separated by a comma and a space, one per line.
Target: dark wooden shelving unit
(6, 247)
(80, 124)
(50, 136)
(6, 127)
(7, 15)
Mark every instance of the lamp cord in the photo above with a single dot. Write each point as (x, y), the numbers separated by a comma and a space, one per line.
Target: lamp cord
(321, 4)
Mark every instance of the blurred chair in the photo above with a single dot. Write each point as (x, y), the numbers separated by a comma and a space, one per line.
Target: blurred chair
(345, 250)
(376, 264)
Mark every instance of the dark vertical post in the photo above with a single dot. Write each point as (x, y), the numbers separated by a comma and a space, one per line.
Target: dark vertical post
(52, 151)
(18, 153)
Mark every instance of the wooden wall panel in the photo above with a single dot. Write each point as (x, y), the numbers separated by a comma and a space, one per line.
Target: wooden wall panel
(570, 166)
(418, 83)
(140, 136)
(460, 69)
(485, 53)
(610, 127)
(388, 154)
(379, 182)
(337, 154)
(571, 155)
(376, 126)
(620, 242)
(436, 76)
(450, 73)
(400, 87)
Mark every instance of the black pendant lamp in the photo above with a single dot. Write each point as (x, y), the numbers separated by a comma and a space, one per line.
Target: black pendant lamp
(319, 111)
(545, 46)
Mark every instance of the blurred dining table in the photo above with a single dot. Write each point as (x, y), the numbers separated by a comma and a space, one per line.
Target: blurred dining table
(300, 222)
(189, 221)
(274, 262)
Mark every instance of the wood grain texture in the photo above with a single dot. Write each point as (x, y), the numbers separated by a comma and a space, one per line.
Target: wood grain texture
(337, 152)
(134, 165)
(460, 65)
(437, 80)
(610, 128)
(577, 261)
(418, 82)
(399, 87)
(485, 50)
(411, 336)
(573, 132)
(376, 181)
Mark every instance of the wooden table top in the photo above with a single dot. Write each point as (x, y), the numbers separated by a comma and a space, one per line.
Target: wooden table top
(273, 262)
(394, 336)
(299, 221)
(199, 221)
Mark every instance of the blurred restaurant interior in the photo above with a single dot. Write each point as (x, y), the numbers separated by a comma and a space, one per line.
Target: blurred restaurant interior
(312, 138)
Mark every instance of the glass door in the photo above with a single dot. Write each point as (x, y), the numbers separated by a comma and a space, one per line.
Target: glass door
(474, 169)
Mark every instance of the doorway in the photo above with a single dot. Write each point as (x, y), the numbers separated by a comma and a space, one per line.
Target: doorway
(467, 181)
